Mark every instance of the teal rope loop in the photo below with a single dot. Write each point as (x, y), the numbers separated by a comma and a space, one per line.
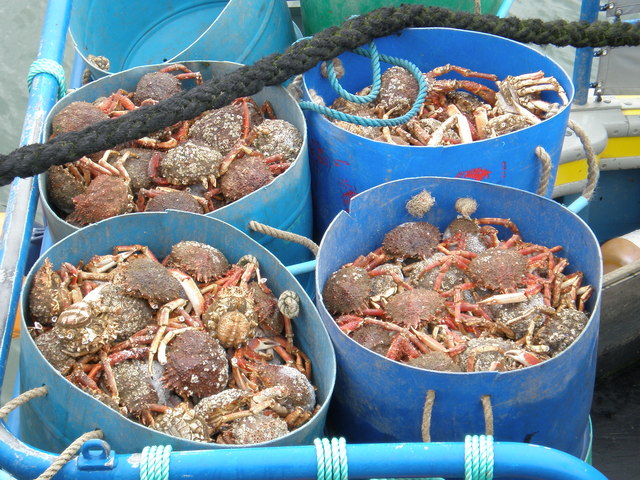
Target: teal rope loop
(53, 68)
(376, 122)
(376, 80)
(154, 462)
(478, 457)
(332, 459)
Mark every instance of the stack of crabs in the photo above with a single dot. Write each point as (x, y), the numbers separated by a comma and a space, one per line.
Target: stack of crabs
(197, 166)
(454, 111)
(462, 300)
(191, 346)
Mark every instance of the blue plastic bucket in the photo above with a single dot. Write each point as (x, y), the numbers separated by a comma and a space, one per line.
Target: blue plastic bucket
(344, 164)
(132, 34)
(271, 204)
(379, 400)
(54, 421)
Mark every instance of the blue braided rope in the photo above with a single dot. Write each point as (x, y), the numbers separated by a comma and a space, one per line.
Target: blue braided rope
(53, 68)
(478, 457)
(332, 459)
(376, 77)
(378, 122)
(154, 462)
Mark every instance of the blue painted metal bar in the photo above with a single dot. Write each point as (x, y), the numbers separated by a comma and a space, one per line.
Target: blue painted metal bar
(584, 56)
(512, 460)
(23, 197)
(503, 11)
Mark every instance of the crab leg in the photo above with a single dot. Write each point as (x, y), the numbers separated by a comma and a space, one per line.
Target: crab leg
(163, 322)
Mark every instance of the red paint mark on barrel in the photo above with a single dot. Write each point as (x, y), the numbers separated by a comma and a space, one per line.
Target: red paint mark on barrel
(348, 192)
(475, 173)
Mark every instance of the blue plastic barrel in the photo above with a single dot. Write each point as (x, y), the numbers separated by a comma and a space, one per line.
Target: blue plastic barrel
(285, 203)
(54, 421)
(379, 400)
(344, 164)
(132, 34)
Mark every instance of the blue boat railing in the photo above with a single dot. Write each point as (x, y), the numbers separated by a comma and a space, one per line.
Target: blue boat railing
(525, 461)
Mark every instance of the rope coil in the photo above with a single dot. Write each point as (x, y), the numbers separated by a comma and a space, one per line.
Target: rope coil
(154, 462)
(478, 457)
(332, 459)
(53, 68)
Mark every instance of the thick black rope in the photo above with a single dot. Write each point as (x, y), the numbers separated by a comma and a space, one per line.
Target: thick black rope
(298, 58)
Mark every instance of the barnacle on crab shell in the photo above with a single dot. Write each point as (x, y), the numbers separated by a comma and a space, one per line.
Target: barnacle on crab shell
(47, 297)
(301, 391)
(182, 422)
(255, 429)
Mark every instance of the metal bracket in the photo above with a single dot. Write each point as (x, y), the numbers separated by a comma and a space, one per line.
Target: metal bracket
(96, 455)
(621, 7)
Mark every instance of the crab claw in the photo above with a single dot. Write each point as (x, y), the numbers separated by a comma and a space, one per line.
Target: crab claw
(191, 289)
(525, 358)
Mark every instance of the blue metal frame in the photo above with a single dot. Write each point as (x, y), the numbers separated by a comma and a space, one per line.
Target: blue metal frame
(365, 461)
(584, 56)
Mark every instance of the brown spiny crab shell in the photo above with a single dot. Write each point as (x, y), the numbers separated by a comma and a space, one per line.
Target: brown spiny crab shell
(222, 128)
(561, 330)
(137, 389)
(438, 361)
(181, 421)
(137, 166)
(347, 290)
(222, 401)
(234, 329)
(452, 277)
(87, 325)
(270, 319)
(178, 200)
(76, 116)
(201, 261)
(398, 89)
(190, 162)
(413, 308)
(374, 338)
(484, 354)
(130, 314)
(244, 176)
(469, 231)
(301, 391)
(196, 365)
(254, 429)
(156, 86)
(62, 186)
(48, 297)
(50, 346)
(277, 137)
(498, 268)
(105, 197)
(146, 278)
(411, 239)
